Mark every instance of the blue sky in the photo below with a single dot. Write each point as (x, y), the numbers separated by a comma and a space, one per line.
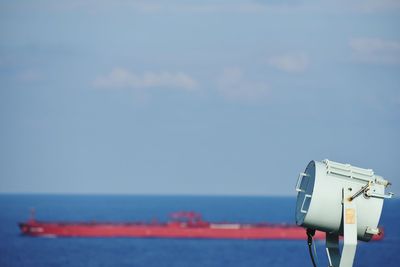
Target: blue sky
(195, 97)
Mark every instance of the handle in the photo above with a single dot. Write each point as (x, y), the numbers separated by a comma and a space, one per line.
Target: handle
(377, 195)
(299, 181)
(304, 201)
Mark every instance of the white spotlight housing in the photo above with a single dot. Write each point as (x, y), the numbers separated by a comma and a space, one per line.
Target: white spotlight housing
(340, 199)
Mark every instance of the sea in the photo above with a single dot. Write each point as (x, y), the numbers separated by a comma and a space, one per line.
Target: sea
(19, 251)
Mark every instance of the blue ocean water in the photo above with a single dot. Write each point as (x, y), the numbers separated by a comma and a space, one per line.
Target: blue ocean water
(17, 250)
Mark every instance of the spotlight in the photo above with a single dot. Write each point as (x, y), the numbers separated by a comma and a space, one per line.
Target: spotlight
(341, 200)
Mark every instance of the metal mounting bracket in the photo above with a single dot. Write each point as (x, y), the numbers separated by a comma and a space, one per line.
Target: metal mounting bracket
(349, 235)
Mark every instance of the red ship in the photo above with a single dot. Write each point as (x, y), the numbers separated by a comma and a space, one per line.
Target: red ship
(181, 225)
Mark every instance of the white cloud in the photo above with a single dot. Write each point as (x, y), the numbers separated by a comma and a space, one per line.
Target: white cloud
(232, 85)
(358, 6)
(377, 5)
(216, 6)
(375, 50)
(30, 75)
(122, 78)
(227, 7)
(179, 6)
(290, 63)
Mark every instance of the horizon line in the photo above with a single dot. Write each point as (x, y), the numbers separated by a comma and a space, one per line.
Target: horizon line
(143, 194)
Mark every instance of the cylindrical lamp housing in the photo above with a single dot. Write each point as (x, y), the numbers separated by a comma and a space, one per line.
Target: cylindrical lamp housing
(320, 194)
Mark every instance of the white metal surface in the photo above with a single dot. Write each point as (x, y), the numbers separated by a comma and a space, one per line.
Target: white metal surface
(349, 230)
(320, 194)
(346, 258)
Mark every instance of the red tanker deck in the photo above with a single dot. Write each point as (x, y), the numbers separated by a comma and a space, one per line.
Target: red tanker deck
(182, 225)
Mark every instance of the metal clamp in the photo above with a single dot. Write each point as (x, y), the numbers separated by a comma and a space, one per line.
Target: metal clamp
(363, 189)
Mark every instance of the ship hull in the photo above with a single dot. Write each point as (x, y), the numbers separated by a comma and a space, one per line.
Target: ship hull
(212, 231)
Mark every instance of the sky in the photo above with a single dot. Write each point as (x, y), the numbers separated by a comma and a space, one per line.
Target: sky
(223, 97)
